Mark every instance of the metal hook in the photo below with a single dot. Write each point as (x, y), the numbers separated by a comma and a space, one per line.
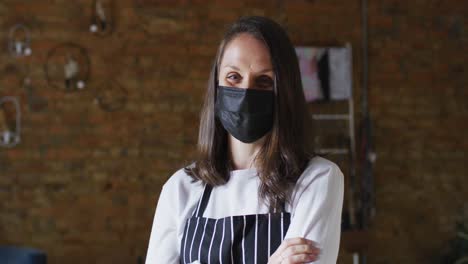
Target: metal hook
(100, 21)
(19, 48)
(9, 138)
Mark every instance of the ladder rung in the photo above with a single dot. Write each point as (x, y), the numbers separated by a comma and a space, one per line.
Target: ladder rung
(330, 116)
(333, 151)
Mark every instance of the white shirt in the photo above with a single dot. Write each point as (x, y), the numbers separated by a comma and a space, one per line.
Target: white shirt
(315, 208)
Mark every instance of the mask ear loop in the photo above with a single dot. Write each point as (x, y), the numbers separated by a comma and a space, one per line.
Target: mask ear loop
(275, 88)
(215, 79)
(275, 84)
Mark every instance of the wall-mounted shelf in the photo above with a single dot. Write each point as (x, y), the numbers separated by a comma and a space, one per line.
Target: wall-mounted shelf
(348, 116)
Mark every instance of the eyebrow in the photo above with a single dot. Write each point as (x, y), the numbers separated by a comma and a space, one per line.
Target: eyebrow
(237, 68)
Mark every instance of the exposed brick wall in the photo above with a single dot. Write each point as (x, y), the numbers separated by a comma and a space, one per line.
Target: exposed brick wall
(419, 99)
(83, 183)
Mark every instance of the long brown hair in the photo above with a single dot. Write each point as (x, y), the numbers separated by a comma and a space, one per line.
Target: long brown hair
(285, 152)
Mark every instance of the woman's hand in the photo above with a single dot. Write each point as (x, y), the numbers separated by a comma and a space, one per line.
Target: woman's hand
(295, 251)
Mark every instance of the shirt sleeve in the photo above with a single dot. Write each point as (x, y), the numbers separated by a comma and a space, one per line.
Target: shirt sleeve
(163, 245)
(317, 214)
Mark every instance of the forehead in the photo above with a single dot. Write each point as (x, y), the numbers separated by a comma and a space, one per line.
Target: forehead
(245, 50)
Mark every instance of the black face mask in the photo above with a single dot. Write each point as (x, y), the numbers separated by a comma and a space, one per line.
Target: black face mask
(247, 114)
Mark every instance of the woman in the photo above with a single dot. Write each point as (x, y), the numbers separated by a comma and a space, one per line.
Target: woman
(254, 194)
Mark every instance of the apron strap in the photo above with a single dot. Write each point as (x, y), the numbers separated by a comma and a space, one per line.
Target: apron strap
(203, 201)
(283, 207)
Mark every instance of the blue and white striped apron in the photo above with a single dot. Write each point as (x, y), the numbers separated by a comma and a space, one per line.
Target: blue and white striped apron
(246, 239)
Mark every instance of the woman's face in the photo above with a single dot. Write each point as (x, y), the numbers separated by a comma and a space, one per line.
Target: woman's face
(246, 63)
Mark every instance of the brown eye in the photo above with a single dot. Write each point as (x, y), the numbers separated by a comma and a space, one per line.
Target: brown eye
(264, 82)
(233, 77)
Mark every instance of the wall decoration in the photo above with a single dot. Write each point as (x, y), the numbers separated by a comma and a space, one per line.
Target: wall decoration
(326, 72)
(102, 20)
(19, 41)
(35, 102)
(9, 137)
(68, 67)
(111, 96)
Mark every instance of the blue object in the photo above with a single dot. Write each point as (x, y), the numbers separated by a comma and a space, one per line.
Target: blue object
(21, 255)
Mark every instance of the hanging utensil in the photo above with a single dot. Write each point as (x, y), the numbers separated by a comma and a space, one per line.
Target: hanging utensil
(8, 137)
(19, 41)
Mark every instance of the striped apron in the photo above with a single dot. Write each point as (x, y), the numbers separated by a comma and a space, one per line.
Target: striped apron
(246, 239)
